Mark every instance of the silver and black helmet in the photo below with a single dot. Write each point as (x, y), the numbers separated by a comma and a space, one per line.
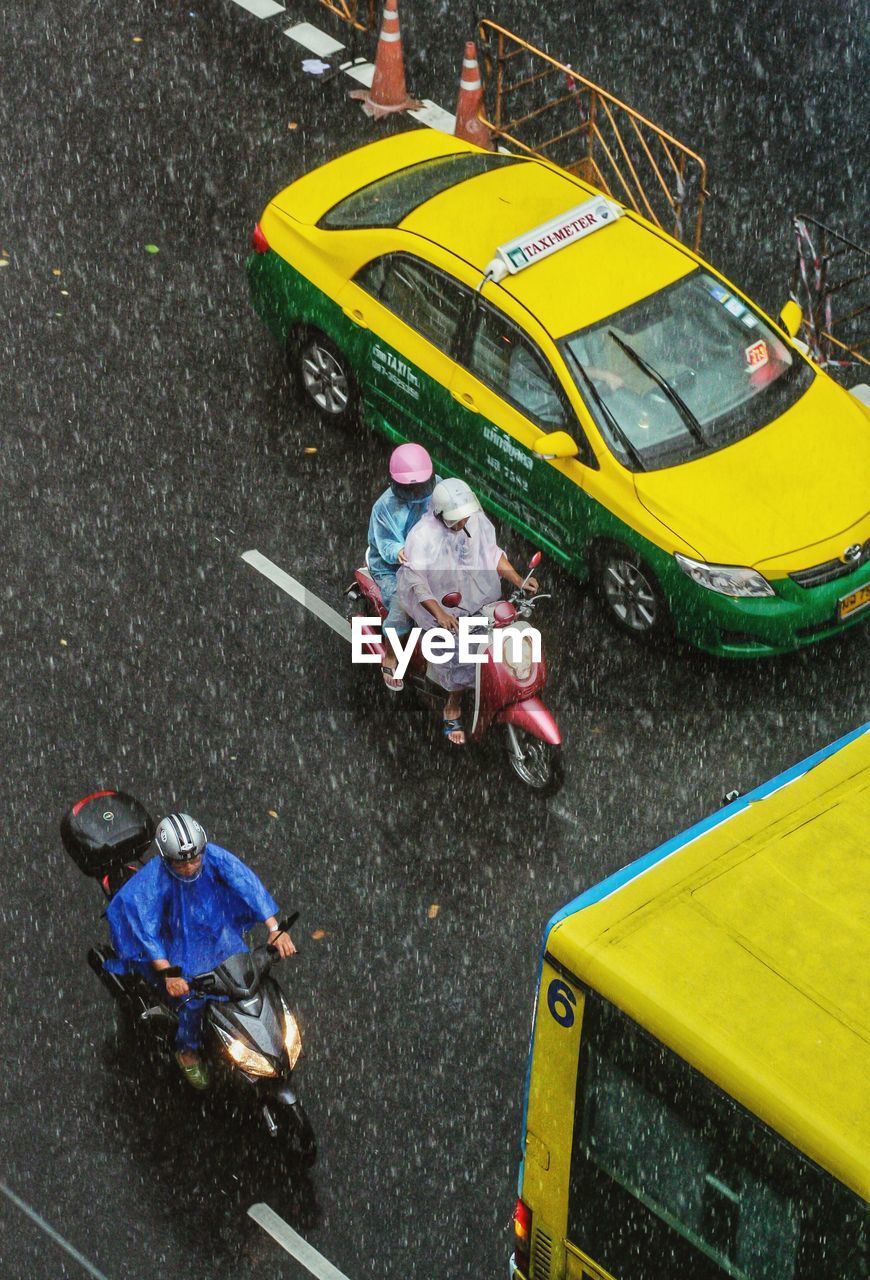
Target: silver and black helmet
(179, 838)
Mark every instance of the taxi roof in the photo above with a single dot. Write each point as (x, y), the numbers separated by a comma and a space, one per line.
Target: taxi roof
(743, 945)
(583, 282)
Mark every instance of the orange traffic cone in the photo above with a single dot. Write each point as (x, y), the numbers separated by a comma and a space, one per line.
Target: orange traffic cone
(388, 92)
(468, 126)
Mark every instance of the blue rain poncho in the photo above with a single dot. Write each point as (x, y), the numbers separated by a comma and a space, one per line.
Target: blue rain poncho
(195, 924)
(391, 521)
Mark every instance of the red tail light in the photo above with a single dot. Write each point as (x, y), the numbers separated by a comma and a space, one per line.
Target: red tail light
(259, 243)
(522, 1236)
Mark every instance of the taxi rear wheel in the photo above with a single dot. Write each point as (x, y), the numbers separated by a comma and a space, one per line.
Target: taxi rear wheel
(630, 591)
(326, 377)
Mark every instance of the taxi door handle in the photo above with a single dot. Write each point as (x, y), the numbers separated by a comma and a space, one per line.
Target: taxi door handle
(466, 400)
(354, 314)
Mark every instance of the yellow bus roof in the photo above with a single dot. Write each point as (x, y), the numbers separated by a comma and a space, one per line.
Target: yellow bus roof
(744, 946)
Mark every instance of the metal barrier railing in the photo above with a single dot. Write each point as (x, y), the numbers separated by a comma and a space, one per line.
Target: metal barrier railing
(545, 108)
(830, 268)
(349, 10)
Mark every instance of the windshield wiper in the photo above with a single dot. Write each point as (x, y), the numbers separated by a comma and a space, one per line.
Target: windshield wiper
(608, 413)
(674, 396)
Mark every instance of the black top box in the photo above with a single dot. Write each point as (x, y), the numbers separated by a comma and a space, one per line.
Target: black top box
(104, 830)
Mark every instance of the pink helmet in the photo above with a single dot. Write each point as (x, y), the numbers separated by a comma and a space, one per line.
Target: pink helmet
(410, 464)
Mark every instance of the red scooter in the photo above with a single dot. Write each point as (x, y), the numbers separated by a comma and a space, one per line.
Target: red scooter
(505, 691)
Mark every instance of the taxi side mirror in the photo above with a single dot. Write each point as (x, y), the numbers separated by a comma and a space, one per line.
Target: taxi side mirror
(556, 444)
(791, 318)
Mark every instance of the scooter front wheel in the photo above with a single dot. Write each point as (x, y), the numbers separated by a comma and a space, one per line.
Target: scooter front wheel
(302, 1142)
(537, 764)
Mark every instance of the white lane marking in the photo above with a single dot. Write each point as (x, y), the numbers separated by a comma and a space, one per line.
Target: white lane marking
(436, 117)
(52, 1234)
(298, 1248)
(364, 73)
(566, 817)
(323, 44)
(311, 37)
(301, 594)
(261, 8)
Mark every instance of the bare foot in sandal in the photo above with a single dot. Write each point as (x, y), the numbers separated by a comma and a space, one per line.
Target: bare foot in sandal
(391, 680)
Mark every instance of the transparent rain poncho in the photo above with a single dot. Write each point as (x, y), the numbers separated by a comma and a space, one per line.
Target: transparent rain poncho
(441, 560)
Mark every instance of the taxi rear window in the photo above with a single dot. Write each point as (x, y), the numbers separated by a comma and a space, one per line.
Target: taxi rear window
(387, 201)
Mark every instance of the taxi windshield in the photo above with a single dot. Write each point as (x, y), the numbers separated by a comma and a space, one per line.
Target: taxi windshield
(387, 201)
(684, 372)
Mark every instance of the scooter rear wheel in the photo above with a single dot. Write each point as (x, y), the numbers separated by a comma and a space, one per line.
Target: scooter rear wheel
(538, 766)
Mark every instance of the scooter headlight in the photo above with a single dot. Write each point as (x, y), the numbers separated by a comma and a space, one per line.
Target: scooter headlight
(518, 654)
(292, 1037)
(250, 1061)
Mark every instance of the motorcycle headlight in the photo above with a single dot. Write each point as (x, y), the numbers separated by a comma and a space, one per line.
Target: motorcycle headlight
(292, 1037)
(250, 1061)
(726, 579)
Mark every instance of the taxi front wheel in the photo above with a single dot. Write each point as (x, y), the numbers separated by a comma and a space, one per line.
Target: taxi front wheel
(326, 377)
(630, 590)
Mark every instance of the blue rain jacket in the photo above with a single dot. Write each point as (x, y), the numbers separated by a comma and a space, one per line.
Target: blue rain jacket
(392, 519)
(195, 924)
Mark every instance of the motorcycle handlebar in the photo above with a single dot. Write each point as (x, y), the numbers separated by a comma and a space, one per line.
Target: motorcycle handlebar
(263, 957)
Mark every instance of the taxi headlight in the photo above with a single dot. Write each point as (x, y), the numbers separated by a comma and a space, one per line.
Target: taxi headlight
(726, 579)
(250, 1061)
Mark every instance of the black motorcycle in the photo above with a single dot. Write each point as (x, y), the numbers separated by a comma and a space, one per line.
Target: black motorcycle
(252, 1039)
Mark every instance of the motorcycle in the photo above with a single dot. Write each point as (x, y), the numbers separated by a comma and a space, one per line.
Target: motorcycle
(506, 690)
(252, 1039)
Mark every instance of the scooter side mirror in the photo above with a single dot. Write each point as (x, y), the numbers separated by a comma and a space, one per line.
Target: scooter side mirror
(452, 599)
(535, 560)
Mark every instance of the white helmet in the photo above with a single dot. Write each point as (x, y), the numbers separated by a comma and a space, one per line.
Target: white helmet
(452, 500)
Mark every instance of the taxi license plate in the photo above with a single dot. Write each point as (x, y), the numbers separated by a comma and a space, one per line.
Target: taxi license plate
(853, 602)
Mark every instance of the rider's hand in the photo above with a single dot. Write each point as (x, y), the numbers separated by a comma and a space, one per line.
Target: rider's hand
(176, 987)
(403, 558)
(531, 586)
(283, 944)
(447, 621)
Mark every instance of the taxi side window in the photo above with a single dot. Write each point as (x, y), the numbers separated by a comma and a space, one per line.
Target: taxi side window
(421, 295)
(501, 357)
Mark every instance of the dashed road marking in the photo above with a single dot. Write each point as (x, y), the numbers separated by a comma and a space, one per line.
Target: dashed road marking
(324, 45)
(294, 1244)
(261, 8)
(312, 38)
(300, 594)
(436, 117)
(364, 73)
(59, 1240)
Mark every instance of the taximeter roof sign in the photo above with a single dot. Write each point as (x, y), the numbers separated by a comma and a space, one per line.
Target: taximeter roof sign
(539, 243)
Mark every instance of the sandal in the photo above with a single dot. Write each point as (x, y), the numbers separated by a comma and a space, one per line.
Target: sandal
(196, 1074)
(454, 726)
(393, 683)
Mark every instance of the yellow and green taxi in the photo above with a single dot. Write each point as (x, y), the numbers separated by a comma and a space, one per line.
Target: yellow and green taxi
(606, 391)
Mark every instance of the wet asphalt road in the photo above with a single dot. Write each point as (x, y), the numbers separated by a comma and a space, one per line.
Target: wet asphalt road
(150, 437)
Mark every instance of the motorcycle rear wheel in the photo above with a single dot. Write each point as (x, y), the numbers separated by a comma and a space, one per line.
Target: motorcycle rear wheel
(540, 766)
